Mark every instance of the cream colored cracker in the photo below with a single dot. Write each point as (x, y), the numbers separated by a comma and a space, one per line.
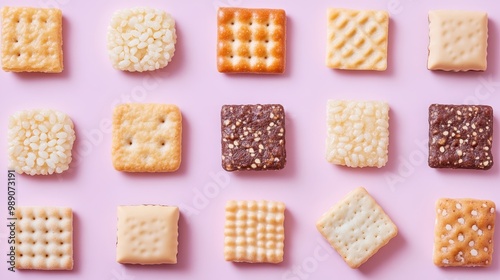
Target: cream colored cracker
(40, 141)
(457, 40)
(357, 227)
(44, 238)
(357, 133)
(32, 40)
(147, 234)
(251, 40)
(147, 137)
(254, 231)
(464, 230)
(357, 40)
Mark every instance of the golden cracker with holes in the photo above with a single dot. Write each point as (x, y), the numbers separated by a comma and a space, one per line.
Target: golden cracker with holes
(32, 40)
(251, 40)
(464, 230)
(147, 137)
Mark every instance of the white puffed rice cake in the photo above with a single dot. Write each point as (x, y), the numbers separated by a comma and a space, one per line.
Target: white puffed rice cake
(40, 142)
(141, 39)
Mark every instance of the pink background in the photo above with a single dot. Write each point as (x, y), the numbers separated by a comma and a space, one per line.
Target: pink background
(89, 88)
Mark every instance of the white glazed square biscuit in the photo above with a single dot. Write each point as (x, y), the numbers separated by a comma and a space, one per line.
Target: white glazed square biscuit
(32, 40)
(40, 141)
(254, 231)
(147, 234)
(251, 40)
(357, 40)
(357, 227)
(464, 231)
(458, 40)
(44, 238)
(357, 133)
(147, 137)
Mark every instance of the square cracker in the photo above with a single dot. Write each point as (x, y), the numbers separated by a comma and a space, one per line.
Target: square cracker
(32, 40)
(463, 234)
(254, 231)
(147, 137)
(253, 137)
(44, 238)
(147, 234)
(357, 227)
(457, 40)
(251, 40)
(357, 40)
(460, 136)
(357, 133)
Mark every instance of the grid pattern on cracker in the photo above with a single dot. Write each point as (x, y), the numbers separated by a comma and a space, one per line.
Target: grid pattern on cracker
(357, 227)
(457, 40)
(464, 232)
(147, 137)
(251, 40)
(40, 141)
(460, 136)
(253, 137)
(357, 133)
(141, 39)
(32, 40)
(147, 234)
(44, 238)
(254, 231)
(357, 40)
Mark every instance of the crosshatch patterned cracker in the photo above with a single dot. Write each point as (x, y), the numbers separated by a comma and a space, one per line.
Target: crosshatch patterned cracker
(147, 137)
(458, 40)
(147, 234)
(251, 40)
(254, 231)
(357, 227)
(253, 137)
(32, 40)
(357, 133)
(44, 238)
(460, 136)
(464, 232)
(40, 141)
(357, 40)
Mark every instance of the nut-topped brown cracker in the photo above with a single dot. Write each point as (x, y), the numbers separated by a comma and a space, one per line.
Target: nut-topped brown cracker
(460, 136)
(253, 137)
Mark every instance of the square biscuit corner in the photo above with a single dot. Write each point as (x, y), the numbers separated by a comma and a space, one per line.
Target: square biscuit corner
(458, 40)
(251, 40)
(357, 39)
(147, 137)
(32, 39)
(147, 234)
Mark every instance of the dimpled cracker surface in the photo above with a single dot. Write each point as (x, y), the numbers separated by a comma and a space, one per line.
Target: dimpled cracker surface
(357, 227)
(141, 39)
(254, 231)
(253, 137)
(32, 40)
(464, 232)
(147, 234)
(40, 141)
(44, 238)
(458, 40)
(251, 40)
(357, 40)
(460, 136)
(147, 137)
(357, 133)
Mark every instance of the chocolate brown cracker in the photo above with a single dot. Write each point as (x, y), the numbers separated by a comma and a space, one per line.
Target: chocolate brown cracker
(460, 136)
(253, 137)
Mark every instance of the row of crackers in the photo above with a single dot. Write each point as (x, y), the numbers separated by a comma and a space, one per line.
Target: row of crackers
(248, 40)
(356, 227)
